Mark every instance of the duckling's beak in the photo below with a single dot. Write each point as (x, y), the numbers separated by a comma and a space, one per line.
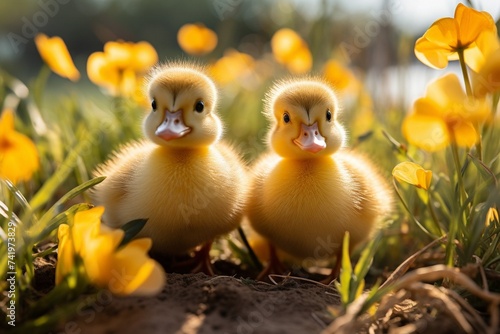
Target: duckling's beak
(172, 126)
(310, 139)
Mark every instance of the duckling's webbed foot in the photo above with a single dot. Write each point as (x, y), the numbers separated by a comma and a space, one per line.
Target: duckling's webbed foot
(334, 274)
(202, 260)
(274, 266)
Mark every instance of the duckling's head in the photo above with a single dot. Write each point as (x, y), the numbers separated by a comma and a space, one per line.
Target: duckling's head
(183, 101)
(303, 115)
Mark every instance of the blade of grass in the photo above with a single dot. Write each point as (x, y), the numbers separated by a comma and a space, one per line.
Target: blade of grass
(35, 231)
(52, 184)
(62, 218)
(344, 284)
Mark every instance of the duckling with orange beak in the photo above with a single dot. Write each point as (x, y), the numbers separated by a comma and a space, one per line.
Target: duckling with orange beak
(188, 183)
(309, 190)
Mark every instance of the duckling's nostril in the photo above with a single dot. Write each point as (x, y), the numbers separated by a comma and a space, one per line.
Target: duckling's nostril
(316, 133)
(176, 121)
(305, 134)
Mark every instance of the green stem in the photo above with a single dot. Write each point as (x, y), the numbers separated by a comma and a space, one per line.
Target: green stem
(462, 196)
(409, 211)
(458, 168)
(433, 214)
(254, 257)
(465, 74)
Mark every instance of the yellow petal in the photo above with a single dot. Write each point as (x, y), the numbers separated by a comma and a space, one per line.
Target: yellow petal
(128, 83)
(133, 271)
(284, 43)
(413, 174)
(196, 39)
(55, 53)
(85, 226)
(443, 33)
(472, 23)
(6, 122)
(232, 66)
(143, 244)
(464, 134)
(102, 72)
(153, 284)
(474, 57)
(427, 132)
(99, 258)
(301, 62)
(340, 76)
(119, 54)
(424, 178)
(18, 154)
(445, 91)
(487, 81)
(487, 42)
(65, 253)
(430, 54)
(145, 56)
(492, 216)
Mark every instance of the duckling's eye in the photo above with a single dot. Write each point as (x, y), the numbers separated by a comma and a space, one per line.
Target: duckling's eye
(199, 106)
(286, 118)
(328, 115)
(153, 105)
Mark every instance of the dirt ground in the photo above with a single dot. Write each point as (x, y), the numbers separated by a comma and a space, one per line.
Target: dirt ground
(196, 303)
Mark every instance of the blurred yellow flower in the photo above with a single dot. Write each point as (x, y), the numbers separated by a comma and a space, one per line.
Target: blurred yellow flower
(196, 39)
(231, 66)
(492, 215)
(413, 174)
(55, 53)
(18, 154)
(487, 80)
(341, 78)
(121, 67)
(467, 31)
(126, 270)
(292, 51)
(445, 115)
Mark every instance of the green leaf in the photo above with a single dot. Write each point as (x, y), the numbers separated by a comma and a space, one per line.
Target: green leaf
(366, 258)
(345, 272)
(485, 172)
(131, 229)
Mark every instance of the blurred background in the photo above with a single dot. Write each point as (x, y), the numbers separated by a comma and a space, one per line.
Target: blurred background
(378, 35)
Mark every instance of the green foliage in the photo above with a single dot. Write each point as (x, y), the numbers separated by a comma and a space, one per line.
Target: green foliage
(352, 282)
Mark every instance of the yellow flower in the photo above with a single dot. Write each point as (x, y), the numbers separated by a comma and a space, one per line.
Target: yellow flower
(445, 115)
(196, 39)
(121, 67)
(18, 154)
(492, 215)
(413, 174)
(292, 51)
(487, 80)
(341, 78)
(232, 66)
(463, 32)
(55, 53)
(124, 271)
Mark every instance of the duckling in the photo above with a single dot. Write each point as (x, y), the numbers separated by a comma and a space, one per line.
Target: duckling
(309, 189)
(182, 178)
